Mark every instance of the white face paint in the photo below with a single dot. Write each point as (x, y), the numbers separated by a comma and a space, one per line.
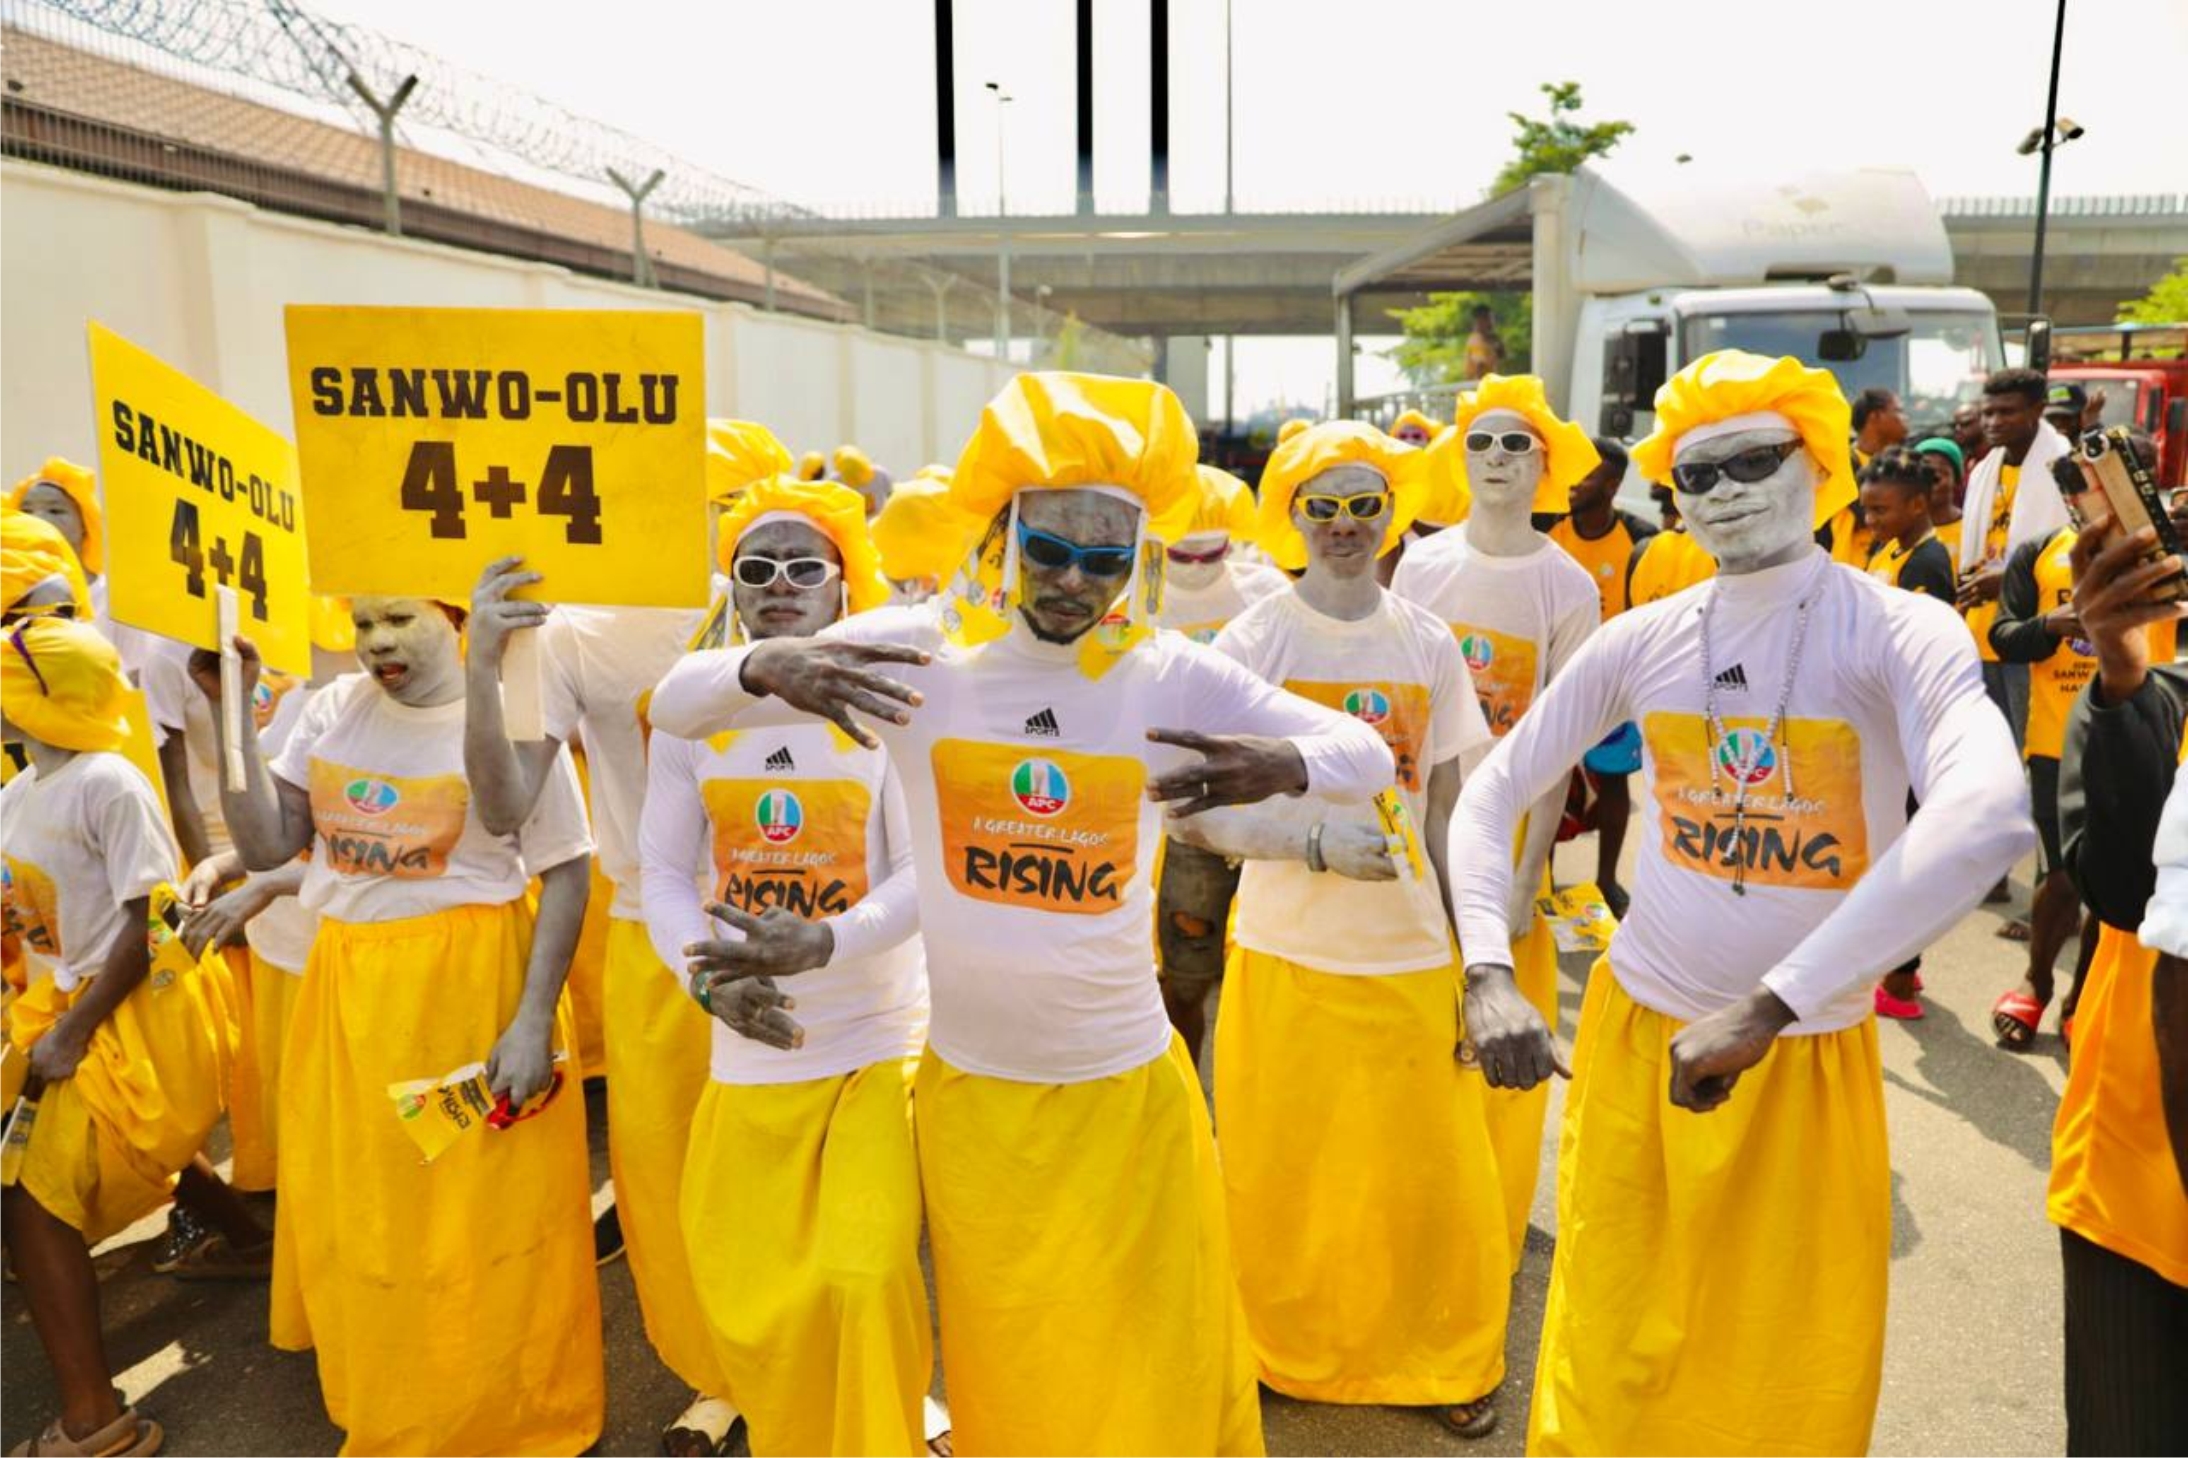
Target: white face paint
(1196, 576)
(410, 648)
(1501, 481)
(1749, 525)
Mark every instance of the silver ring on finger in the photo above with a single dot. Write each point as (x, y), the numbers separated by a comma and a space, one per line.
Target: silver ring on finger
(1203, 789)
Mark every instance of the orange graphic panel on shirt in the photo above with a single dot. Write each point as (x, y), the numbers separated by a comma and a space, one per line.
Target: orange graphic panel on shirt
(1805, 825)
(1044, 830)
(1504, 673)
(267, 696)
(1397, 711)
(32, 907)
(385, 825)
(798, 844)
(1203, 632)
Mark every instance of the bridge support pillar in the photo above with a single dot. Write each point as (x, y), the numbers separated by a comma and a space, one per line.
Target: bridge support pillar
(1344, 356)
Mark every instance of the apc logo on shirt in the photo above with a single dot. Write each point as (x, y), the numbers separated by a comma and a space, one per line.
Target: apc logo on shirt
(1746, 756)
(1369, 706)
(779, 816)
(1478, 652)
(368, 796)
(1040, 788)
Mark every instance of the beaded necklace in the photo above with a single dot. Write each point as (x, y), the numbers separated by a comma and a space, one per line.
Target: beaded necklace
(1743, 762)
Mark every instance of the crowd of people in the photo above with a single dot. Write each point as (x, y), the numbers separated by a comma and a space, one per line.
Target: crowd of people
(888, 895)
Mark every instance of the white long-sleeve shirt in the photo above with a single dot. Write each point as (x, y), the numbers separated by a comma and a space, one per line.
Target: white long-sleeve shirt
(2165, 921)
(1841, 885)
(794, 816)
(1033, 839)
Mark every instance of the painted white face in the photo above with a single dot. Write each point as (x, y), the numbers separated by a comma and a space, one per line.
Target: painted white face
(1503, 480)
(1745, 524)
(409, 647)
(1186, 569)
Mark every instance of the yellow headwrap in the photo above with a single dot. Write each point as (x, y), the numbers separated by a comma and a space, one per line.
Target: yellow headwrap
(812, 466)
(61, 683)
(740, 452)
(919, 534)
(852, 467)
(1733, 382)
(31, 551)
(1416, 419)
(1446, 497)
(1291, 428)
(332, 628)
(1226, 506)
(81, 487)
(836, 512)
(1567, 453)
(1320, 448)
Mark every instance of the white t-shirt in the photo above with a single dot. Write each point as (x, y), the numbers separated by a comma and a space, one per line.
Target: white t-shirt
(176, 704)
(599, 661)
(282, 933)
(1033, 838)
(1203, 614)
(79, 844)
(392, 811)
(1841, 886)
(1518, 620)
(797, 817)
(1399, 672)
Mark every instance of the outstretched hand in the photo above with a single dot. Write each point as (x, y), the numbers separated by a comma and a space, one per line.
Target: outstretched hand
(1233, 769)
(829, 679)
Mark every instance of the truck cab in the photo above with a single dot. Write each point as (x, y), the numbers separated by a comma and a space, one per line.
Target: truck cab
(2139, 375)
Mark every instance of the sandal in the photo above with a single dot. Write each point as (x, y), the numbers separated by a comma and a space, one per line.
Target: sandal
(220, 1259)
(2015, 1018)
(2013, 929)
(702, 1430)
(128, 1434)
(1476, 1419)
(937, 1427)
(1905, 1009)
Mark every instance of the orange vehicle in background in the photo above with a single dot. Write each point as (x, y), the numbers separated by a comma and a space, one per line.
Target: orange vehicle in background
(2136, 375)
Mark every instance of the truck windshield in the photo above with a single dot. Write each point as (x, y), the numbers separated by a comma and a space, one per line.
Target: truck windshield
(1938, 364)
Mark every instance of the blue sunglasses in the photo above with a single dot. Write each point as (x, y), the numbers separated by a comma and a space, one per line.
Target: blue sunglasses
(1053, 553)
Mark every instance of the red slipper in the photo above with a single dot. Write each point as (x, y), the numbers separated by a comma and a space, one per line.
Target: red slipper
(2014, 1018)
(1905, 1009)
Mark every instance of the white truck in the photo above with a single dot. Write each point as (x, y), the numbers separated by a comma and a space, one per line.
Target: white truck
(1634, 276)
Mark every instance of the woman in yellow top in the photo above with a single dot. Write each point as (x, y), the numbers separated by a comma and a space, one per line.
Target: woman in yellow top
(452, 1302)
(126, 1060)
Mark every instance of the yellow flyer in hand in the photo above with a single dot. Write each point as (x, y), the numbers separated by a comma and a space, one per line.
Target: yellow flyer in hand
(1399, 840)
(436, 440)
(199, 496)
(438, 1112)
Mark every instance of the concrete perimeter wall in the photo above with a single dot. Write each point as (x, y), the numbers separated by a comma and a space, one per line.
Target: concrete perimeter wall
(200, 280)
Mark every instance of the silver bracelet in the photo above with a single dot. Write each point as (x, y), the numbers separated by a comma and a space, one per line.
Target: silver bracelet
(1314, 848)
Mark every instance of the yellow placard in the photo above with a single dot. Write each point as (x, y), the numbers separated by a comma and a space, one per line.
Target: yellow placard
(436, 440)
(199, 496)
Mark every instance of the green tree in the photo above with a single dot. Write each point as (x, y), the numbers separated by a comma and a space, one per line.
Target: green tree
(1434, 349)
(2166, 303)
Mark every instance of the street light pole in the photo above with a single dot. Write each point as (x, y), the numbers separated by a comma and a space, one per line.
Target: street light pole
(1230, 151)
(1002, 231)
(2043, 175)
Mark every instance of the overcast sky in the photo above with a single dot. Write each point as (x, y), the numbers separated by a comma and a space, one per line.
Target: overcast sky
(1337, 102)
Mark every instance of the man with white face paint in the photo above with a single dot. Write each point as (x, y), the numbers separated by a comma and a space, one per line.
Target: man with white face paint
(1724, 1192)
(1520, 607)
(1206, 582)
(1082, 1263)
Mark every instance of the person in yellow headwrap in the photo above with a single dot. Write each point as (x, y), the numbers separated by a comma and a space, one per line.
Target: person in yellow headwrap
(1365, 1212)
(1413, 428)
(65, 496)
(921, 537)
(126, 1059)
(800, 1190)
(1724, 1194)
(1520, 608)
(1205, 584)
(35, 556)
(812, 466)
(1074, 1203)
(432, 1289)
(850, 465)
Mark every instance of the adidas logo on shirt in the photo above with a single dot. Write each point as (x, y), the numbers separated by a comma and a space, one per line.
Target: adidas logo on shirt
(1043, 725)
(1734, 677)
(781, 762)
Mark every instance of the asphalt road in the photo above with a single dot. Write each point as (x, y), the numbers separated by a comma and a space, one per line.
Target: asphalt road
(1972, 1361)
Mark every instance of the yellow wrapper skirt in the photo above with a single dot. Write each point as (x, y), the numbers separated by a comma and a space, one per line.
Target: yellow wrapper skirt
(801, 1211)
(1516, 1116)
(1720, 1278)
(1365, 1204)
(588, 978)
(657, 1065)
(453, 1305)
(1082, 1265)
(252, 1112)
(109, 1139)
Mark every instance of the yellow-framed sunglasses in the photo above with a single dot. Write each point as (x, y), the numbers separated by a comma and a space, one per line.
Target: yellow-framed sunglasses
(1328, 508)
